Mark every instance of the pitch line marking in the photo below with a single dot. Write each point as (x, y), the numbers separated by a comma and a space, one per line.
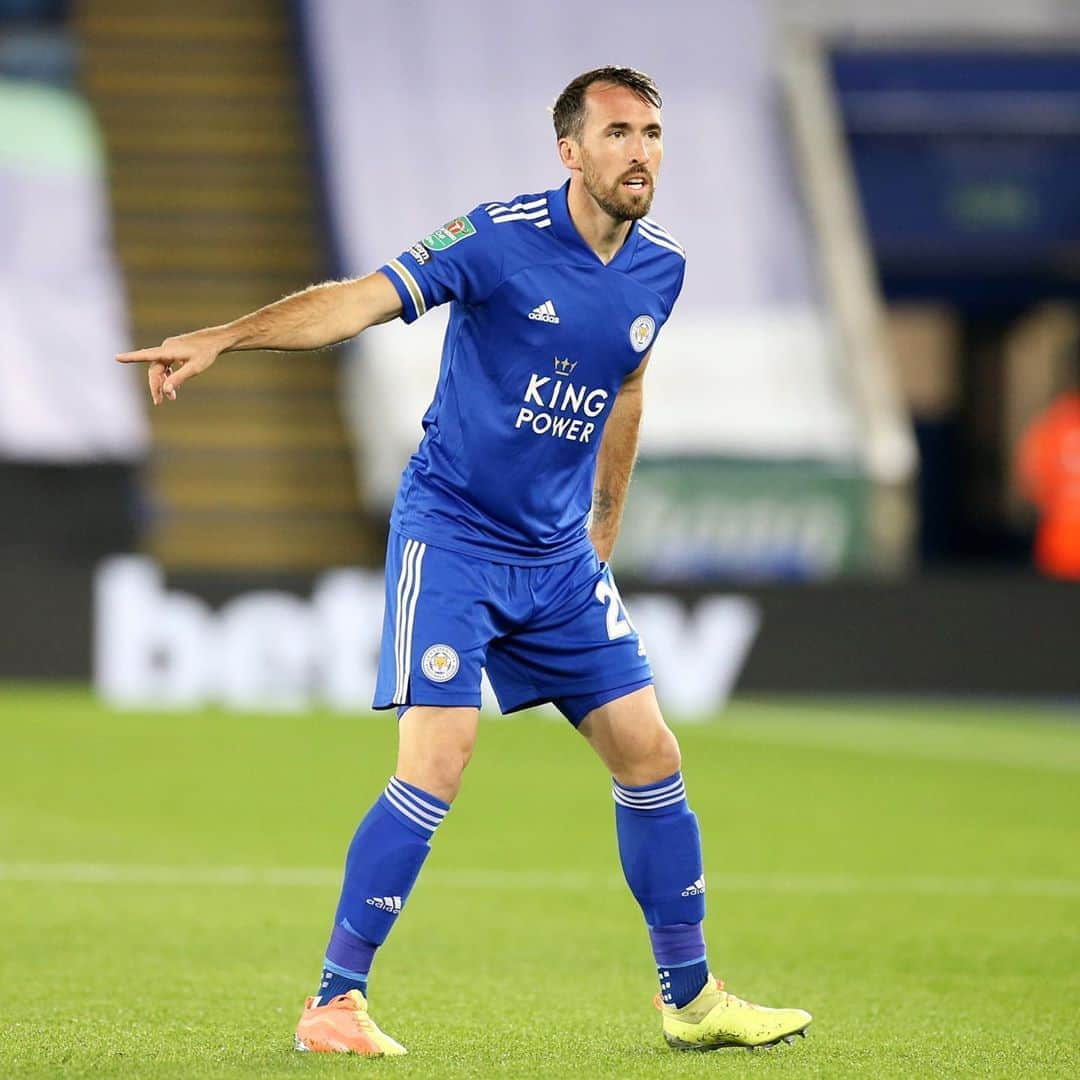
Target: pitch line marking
(531, 880)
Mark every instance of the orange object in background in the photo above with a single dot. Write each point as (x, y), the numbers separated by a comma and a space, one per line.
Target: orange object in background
(1049, 473)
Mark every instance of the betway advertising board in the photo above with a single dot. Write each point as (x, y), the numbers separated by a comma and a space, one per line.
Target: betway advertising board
(156, 647)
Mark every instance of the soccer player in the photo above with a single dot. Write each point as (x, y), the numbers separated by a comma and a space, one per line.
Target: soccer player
(493, 561)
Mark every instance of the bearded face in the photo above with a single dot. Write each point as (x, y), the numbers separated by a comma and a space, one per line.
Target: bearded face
(626, 196)
(616, 150)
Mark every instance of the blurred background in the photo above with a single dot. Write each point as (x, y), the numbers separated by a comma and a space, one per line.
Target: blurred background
(860, 467)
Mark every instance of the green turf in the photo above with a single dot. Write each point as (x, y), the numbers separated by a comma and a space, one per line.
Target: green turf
(910, 874)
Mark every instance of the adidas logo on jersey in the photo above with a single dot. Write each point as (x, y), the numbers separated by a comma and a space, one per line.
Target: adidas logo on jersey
(691, 890)
(544, 313)
(385, 903)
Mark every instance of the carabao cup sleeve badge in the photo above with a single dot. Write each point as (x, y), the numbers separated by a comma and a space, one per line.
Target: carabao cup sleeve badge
(440, 663)
(642, 331)
(453, 231)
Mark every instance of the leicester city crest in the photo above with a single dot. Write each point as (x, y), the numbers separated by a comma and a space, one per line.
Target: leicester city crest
(440, 663)
(642, 330)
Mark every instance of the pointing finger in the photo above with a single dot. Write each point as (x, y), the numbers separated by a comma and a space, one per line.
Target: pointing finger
(143, 356)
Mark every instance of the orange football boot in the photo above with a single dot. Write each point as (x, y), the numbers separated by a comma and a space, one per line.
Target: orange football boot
(342, 1026)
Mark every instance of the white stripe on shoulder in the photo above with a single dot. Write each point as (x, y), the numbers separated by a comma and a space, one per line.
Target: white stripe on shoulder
(539, 218)
(663, 243)
(499, 208)
(521, 215)
(659, 229)
(658, 232)
(667, 238)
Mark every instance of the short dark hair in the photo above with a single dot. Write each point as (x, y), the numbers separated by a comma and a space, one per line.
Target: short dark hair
(569, 110)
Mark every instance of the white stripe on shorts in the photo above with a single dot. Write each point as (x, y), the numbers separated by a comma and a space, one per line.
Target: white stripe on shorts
(399, 607)
(408, 592)
(409, 619)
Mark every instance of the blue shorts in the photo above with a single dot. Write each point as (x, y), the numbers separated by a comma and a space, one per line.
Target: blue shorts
(554, 633)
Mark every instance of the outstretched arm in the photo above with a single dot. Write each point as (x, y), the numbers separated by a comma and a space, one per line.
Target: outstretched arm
(615, 461)
(318, 316)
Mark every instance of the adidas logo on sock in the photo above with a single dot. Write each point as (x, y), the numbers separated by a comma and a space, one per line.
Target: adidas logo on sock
(691, 890)
(545, 313)
(385, 903)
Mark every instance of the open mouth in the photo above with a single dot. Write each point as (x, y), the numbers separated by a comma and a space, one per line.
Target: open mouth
(636, 183)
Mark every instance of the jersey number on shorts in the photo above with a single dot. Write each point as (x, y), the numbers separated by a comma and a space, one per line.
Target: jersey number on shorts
(618, 622)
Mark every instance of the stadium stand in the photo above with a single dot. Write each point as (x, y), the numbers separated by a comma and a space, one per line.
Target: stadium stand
(215, 215)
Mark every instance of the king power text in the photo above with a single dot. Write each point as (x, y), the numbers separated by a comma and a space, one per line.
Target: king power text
(560, 408)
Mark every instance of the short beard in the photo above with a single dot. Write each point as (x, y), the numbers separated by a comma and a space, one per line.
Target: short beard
(616, 201)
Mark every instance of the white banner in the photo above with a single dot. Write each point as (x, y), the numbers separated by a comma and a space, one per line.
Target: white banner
(63, 399)
(273, 651)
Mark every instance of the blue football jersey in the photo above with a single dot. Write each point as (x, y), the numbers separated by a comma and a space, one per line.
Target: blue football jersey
(541, 336)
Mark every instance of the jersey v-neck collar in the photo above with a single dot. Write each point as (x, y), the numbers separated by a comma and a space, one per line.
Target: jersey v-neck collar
(566, 230)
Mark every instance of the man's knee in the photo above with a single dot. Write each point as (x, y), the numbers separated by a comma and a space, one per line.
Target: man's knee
(633, 740)
(434, 746)
(646, 760)
(654, 758)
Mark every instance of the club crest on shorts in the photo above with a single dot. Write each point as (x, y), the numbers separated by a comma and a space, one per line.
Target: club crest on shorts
(642, 330)
(440, 663)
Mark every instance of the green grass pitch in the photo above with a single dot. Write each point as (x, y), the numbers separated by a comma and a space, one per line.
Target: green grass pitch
(908, 873)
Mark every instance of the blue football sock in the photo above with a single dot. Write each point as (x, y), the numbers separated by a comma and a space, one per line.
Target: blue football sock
(680, 985)
(335, 982)
(660, 849)
(381, 868)
(680, 961)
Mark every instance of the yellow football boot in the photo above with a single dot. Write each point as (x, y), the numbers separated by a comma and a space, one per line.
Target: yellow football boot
(342, 1026)
(716, 1018)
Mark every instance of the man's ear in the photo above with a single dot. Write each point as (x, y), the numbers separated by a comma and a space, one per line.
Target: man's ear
(570, 154)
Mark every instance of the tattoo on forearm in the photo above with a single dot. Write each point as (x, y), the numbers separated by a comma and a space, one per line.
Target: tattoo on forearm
(603, 506)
